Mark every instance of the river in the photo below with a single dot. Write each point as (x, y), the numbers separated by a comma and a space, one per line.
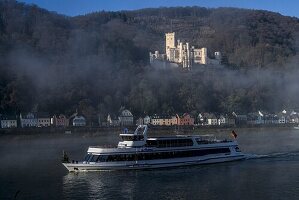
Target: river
(31, 169)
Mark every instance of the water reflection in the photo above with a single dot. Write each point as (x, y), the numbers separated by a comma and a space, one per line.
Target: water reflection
(174, 183)
(99, 185)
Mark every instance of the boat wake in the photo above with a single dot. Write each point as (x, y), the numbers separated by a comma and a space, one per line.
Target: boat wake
(272, 155)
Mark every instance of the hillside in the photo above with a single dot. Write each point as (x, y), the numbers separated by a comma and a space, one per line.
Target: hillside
(249, 38)
(99, 62)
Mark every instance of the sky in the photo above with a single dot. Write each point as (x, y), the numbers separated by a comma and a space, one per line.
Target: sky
(81, 7)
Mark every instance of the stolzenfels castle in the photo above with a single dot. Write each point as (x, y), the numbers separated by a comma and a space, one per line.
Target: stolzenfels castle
(183, 53)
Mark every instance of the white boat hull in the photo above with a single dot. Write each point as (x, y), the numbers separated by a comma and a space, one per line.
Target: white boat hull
(137, 151)
(151, 164)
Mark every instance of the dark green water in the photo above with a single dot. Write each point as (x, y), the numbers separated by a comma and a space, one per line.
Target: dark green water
(31, 169)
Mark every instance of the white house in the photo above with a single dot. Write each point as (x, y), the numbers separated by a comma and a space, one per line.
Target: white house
(79, 121)
(283, 117)
(212, 121)
(209, 119)
(8, 122)
(126, 118)
(221, 120)
(29, 120)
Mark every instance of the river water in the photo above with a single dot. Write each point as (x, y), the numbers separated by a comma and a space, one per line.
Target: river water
(31, 169)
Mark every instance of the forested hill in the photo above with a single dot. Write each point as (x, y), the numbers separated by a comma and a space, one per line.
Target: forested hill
(99, 62)
(249, 38)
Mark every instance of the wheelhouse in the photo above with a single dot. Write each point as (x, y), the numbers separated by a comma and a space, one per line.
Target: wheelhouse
(131, 137)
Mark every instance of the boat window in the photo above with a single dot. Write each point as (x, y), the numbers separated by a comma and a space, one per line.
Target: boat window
(162, 155)
(207, 141)
(110, 158)
(126, 138)
(94, 158)
(98, 159)
(174, 143)
(132, 138)
(87, 157)
(102, 158)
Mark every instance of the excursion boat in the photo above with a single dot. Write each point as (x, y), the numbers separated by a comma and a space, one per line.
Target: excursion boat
(137, 151)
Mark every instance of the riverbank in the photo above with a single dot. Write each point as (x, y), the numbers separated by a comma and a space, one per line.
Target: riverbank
(152, 129)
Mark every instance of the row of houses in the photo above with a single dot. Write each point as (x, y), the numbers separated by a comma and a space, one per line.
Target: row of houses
(186, 120)
(164, 120)
(40, 120)
(211, 119)
(45, 120)
(126, 118)
(254, 118)
(283, 117)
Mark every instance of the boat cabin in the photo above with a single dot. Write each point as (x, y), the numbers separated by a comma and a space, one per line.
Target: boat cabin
(136, 139)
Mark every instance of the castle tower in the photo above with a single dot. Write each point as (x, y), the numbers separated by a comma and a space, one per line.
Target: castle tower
(169, 43)
(204, 56)
(180, 46)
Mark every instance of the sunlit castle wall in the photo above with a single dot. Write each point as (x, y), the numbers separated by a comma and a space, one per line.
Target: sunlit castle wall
(200, 56)
(169, 43)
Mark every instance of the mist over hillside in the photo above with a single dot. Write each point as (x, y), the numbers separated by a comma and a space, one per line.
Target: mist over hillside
(99, 62)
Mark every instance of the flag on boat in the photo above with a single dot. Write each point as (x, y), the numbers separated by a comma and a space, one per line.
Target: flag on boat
(234, 134)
